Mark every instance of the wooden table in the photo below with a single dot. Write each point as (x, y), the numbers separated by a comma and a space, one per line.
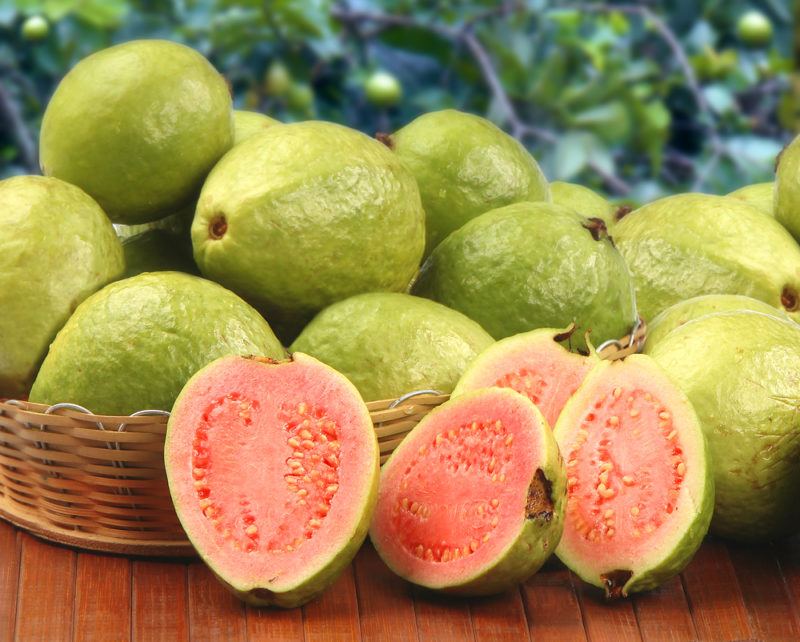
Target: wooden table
(52, 593)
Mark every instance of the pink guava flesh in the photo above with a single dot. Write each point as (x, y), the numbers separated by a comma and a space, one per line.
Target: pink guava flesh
(533, 364)
(270, 467)
(458, 490)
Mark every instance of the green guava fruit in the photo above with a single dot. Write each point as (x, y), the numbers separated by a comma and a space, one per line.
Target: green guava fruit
(247, 124)
(741, 371)
(35, 28)
(138, 126)
(534, 364)
(277, 79)
(57, 247)
(759, 195)
(533, 265)
(640, 491)
(307, 214)
(134, 344)
(472, 501)
(754, 29)
(584, 201)
(389, 343)
(273, 471)
(787, 188)
(158, 251)
(699, 306)
(383, 89)
(178, 223)
(464, 166)
(686, 245)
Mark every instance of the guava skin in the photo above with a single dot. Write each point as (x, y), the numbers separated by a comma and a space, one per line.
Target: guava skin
(134, 344)
(303, 215)
(684, 311)
(465, 166)
(584, 201)
(787, 188)
(57, 248)
(533, 265)
(138, 126)
(687, 245)
(158, 250)
(389, 344)
(741, 372)
(247, 124)
(759, 195)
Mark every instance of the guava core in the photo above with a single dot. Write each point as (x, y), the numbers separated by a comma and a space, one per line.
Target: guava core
(465, 166)
(57, 248)
(138, 126)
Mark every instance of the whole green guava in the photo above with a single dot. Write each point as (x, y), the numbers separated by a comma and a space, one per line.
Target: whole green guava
(56, 249)
(134, 344)
(383, 89)
(533, 265)
(465, 166)
(247, 124)
(741, 371)
(787, 188)
(389, 344)
(759, 195)
(138, 126)
(686, 245)
(584, 201)
(307, 214)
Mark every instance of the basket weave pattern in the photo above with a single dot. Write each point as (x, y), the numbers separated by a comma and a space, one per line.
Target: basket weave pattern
(98, 482)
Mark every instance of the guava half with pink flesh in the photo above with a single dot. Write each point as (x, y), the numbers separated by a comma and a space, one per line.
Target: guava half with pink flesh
(534, 364)
(639, 488)
(472, 500)
(273, 470)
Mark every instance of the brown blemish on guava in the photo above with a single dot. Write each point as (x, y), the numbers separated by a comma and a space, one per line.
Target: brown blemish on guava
(622, 212)
(614, 583)
(563, 336)
(539, 504)
(789, 299)
(217, 227)
(386, 139)
(597, 228)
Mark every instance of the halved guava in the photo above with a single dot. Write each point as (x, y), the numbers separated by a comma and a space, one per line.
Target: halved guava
(472, 500)
(534, 364)
(273, 470)
(639, 488)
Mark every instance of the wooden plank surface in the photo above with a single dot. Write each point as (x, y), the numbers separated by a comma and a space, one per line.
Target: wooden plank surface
(52, 593)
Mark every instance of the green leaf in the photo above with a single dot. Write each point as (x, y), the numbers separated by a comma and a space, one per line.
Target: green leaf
(103, 14)
(720, 98)
(571, 154)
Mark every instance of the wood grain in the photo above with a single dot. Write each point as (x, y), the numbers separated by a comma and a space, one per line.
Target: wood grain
(441, 618)
(334, 615)
(499, 617)
(214, 612)
(46, 592)
(275, 625)
(607, 621)
(663, 614)
(551, 606)
(9, 578)
(102, 598)
(159, 602)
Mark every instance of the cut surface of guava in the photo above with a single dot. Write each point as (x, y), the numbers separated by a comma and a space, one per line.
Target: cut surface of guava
(273, 470)
(534, 364)
(639, 488)
(389, 343)
(471, 502)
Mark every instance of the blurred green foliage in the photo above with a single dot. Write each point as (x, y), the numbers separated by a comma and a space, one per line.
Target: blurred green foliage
(633, 99)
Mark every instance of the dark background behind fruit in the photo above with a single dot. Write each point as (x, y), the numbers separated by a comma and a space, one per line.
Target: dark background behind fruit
(634, 99)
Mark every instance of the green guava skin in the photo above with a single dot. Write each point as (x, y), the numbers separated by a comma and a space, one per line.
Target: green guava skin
(465, 166)
(247, 124)
(134, 344)
(741, 370)
(57, 248)
(389, 344)
(698, 517)
(138, 126)
(687, 245)
(699, 306)
(584, 201)
(314, 213)
(538, 538)
(158, 251)
(326, 575)
(532, 265)
(787, 188)
(759, 195)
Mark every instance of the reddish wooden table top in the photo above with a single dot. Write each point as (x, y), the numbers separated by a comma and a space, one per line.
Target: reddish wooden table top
(52, 593)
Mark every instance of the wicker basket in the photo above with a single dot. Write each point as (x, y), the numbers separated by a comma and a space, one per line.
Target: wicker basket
(97, 482)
